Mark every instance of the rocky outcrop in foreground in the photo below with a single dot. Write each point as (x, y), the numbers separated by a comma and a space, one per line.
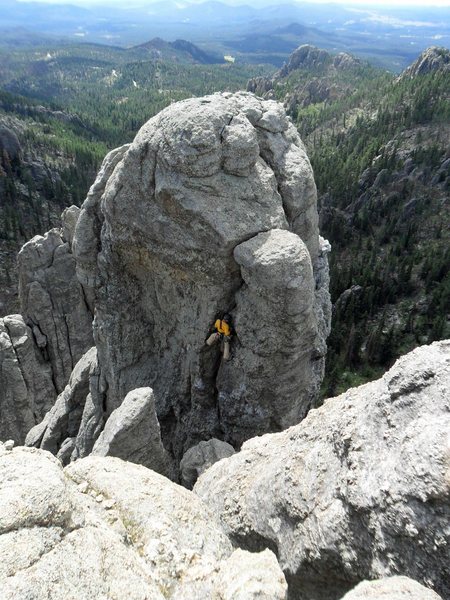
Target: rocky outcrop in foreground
(105, 528)
(391, 588)
(211, 208)
(358, 490)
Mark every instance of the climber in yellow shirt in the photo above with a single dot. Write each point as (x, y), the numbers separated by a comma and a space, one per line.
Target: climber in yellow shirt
(222, 333)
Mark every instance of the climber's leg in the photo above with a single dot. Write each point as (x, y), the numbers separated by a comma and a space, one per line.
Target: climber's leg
(226, 348)
(213, 338)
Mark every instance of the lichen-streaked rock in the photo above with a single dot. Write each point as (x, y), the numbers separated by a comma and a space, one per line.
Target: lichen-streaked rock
(106, 528)
(358, 490)
(158, 252)
(27, 391)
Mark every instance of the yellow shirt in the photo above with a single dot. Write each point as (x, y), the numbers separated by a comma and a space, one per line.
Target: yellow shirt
(222, 327)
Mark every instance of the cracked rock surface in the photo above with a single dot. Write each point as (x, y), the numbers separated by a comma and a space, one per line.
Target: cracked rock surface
(211, 208)
(27, 390)
(105, 528)
(52, 300)
(39, 349)
(358, 490)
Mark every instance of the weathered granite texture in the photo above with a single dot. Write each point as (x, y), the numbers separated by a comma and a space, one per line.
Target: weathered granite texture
(358, 490)
(212, 207)
(132, 433)
(391, 588)
(103, 528)
(52, 300)
(27, 390)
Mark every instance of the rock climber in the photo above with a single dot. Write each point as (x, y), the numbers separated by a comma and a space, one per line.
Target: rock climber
(222, 333)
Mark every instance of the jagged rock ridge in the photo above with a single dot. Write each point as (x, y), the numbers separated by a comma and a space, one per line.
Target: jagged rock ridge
(40, 348)
(432, 59)
(320, 65)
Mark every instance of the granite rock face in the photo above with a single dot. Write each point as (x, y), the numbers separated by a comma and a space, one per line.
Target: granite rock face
(212, 203)
(72, 426)
(52, 300)
(391, 588)
(132, 433)
(27, 390)
(358, 490)
(105, 528)
(40, 349)
(200, 457)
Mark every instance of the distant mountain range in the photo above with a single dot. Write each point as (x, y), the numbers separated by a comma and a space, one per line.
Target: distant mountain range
(389, 37)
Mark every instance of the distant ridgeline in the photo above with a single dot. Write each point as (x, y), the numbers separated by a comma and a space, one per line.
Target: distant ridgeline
(379, 149)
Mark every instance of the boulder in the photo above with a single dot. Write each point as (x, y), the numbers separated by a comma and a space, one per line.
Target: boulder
(272, 363)
(132, 433)
(52, 301)
(200, 457)
(234, 169)
(105, 528)
(358, 490)
(248, 575)
(391, 588)
(27, 391)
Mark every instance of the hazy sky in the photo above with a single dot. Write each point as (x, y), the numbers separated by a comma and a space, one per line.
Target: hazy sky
(371, 3)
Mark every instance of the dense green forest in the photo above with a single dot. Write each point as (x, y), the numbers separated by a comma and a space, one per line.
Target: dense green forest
(384, 183)
(111, 90)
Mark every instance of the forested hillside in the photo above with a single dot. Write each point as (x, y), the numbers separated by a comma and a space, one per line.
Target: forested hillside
(114, 91)
(379, 149)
